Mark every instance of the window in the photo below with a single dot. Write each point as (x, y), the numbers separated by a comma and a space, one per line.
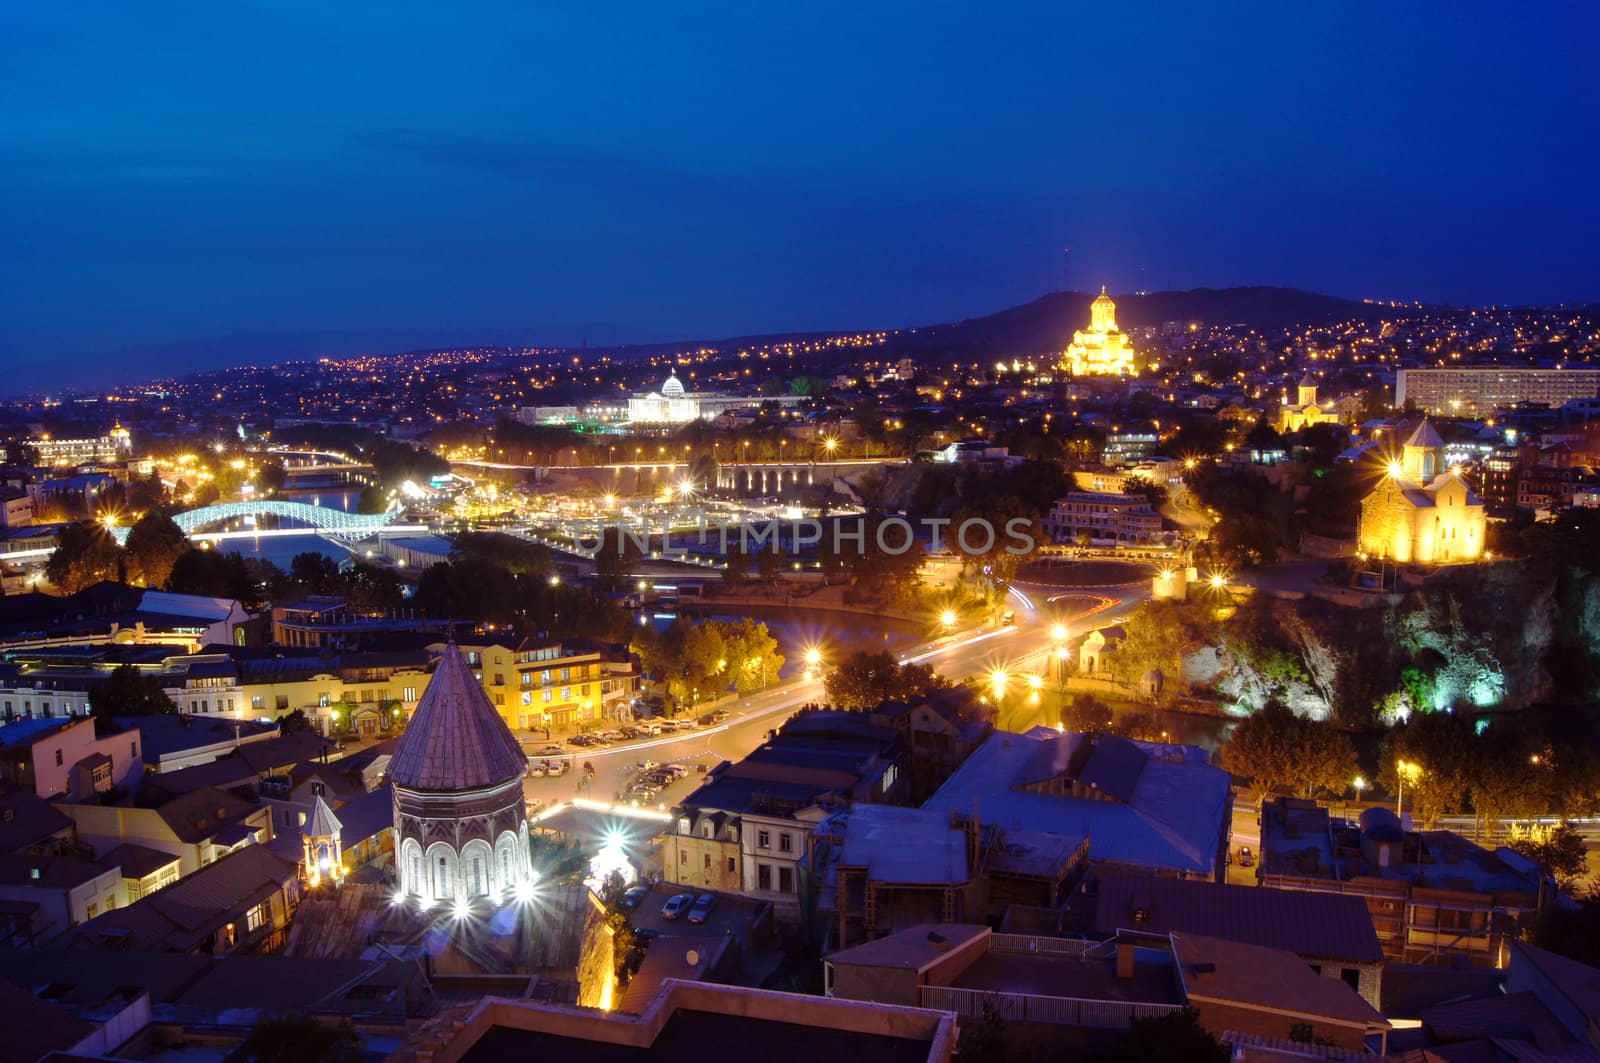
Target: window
(785, 842)
(566, 693)
(408, 694)
(763, 839)
(683, 856)
(134, 746)
(58, 758)
(479, 888)
(786, 879)
(1352, 977)
(323, 701)
(443, 889)
(547, 697)
(258, 702)
(732, 867)
(256, 918)
(499, 679)
(763, 876)
(707, 864)
(93, 910)
(282, 703)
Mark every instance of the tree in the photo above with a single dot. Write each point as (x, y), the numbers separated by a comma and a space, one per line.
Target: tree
(1437, 749)
(372, 500)
(1085, 712)
(210, 574)
(85, 554)
(615, 559)
(1176, 1037)
(1561, 851)
(155, 542)
(128, 692)
(301, 1039)
(316, 572)
(1280, 752)
(294, 722)
(865, 680)
(372, 587)
(984, 1040)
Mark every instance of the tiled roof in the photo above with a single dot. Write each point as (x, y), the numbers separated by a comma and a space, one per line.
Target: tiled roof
(324, 824)
(455, 740)
(1254, 977)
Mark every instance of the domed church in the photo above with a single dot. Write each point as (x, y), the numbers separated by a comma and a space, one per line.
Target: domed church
(460, 822)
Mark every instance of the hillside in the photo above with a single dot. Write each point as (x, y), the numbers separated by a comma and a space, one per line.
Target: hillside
(1046, 323)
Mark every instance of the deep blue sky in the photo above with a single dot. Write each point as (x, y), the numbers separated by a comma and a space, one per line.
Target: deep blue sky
(172, 170)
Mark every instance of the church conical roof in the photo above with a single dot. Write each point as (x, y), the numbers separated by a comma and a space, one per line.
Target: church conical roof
(455, 740)
(1425, 436)
(324, 824)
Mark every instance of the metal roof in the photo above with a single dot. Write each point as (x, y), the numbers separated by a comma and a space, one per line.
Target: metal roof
(455, 740)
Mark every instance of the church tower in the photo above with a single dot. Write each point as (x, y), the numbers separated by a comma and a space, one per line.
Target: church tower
(1422, 455)
(1103, 313)
(460, 821)
(1307, 391)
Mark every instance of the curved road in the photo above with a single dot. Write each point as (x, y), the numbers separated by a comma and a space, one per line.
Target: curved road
(1022, 646)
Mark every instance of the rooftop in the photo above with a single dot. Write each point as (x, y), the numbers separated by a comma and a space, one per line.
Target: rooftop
(1173, 817)
(911, 846)
(1307, 924)
(1249, 975)
(455, 739)
(913, 949)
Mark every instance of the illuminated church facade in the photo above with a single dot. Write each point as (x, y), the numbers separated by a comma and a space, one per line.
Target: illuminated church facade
(1304, 411)
(1422, 512)
(1102, 349)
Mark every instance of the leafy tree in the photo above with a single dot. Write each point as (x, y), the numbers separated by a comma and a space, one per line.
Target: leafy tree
(883, 574)
(372, 587)
(866, 679)
(1176, 1037)
(294, 722)
(984, 1040)
(84, 555)
(316, 572)
(752, 654)
(615, 559)
(1439, 748)
(1561, 851)
(1280, 752)
(155, 542)
(1138, 726)
(515, 555)
(1085, 712)
(128, 692)
(301, 1039)
(211, 574)
(372, 500)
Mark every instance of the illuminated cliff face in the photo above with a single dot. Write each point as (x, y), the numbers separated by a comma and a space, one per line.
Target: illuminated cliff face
(1102, 349)
(1420, 512)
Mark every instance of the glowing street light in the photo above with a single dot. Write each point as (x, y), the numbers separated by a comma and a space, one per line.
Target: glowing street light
(997, 680)
(1404, 770)
(1058, 632)
(813, 657)
(948, 618)
(1218, 581)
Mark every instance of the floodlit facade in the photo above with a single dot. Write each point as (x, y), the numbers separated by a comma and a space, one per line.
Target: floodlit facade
(1305, 411)
(460, 822)
(1422, 512)
(1102, 349)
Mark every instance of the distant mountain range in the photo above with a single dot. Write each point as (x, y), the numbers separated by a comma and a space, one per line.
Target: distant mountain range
(1041, 325)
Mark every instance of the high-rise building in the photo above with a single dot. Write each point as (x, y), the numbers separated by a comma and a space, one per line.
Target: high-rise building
(1470, 390)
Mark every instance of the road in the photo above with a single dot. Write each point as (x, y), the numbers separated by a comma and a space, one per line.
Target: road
(1017, 647)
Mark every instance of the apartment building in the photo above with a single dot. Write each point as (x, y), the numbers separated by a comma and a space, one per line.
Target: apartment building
(554, 685)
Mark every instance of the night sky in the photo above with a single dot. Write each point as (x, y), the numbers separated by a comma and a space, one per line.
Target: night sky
(655, 171)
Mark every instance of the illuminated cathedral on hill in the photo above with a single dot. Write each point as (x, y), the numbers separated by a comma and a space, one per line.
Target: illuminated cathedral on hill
(1102, 349)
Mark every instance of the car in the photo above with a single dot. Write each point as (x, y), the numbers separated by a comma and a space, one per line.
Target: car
(557, 767)
(634, 896)
(676, 905)
(1247, 856)
(703, 907)
(705, 721)
(645, 934)
(646, 765)
(650, 728)
(720, 715)
(631, 732)
(578, 740)
(549, 751)
(536, 771)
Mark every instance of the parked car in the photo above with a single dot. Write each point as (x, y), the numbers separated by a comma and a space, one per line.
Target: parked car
(557, 767)
(1247, 856)
(676, 905)
(719, 716)
(703, 908)
(536, 771)
(549, 751)
(634, 896)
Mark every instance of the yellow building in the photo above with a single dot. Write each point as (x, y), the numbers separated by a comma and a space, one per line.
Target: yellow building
(1305, 411)
(367, 700)
(544, 686)
(1422, 512)
(1102, 349)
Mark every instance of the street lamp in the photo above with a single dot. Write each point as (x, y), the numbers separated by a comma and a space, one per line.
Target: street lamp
(997, 679)
(1058, 633)
(948, 618)
(1403, 770)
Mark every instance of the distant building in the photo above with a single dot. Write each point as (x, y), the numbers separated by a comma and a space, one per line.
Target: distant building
(1129, 446)
(460, 819)
(115, 445)
(1474, 390)
(1102, 349)
(540, 684)
(1105, 519)
(1434, 896)
(1420, 511)
(673, 405)
(1305, 411)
